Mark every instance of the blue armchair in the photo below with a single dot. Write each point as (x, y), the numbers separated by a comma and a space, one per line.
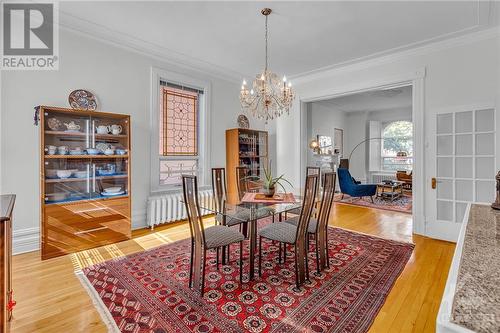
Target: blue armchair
(349, 186)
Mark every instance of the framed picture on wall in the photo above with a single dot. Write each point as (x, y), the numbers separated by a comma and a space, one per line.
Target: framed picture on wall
(338, 146)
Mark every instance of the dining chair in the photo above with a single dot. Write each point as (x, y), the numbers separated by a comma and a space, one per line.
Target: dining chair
(241, 181)
(318, 227)
(203, 239)
(309, 171)
(288, 233)
(219, 190)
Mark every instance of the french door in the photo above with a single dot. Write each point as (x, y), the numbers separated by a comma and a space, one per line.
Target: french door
(463, 166)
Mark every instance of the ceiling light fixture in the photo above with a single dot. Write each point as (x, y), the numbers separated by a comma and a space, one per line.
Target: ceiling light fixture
(269, 97)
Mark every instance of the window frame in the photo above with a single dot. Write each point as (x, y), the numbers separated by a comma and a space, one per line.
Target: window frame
(382, 155)
(203, 157)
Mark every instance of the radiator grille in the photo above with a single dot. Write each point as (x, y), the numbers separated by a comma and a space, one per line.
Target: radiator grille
(170, 208)
(380, 177)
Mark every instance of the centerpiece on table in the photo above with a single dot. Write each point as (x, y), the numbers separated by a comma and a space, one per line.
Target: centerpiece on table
(270, 182)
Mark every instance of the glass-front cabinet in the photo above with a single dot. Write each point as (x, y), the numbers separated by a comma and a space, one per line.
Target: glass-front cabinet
(85, 179)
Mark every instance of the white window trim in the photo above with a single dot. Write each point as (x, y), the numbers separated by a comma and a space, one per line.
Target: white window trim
(382, 156)
(204, 138)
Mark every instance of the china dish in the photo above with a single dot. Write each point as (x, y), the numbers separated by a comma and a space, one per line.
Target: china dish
(64, 173)
(93, 151)
(80, 174)
(114, 189)
(51, 173)
(101, 146)
(109, 151)
(82, 99)
(77, 152)
(54, 124)
(112, 194)
(105, 172)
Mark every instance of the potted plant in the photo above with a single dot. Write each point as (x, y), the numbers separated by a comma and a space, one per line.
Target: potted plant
(270, 182)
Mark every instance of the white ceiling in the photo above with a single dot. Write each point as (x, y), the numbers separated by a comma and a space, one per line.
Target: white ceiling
(304, 36)
(376, 100)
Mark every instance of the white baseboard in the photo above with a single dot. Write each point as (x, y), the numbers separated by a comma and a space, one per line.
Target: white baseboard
(25, 240)
(442, 230)
(139, 219)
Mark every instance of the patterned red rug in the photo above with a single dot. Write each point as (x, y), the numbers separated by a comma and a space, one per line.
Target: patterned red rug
(147, 291)
(403, 204)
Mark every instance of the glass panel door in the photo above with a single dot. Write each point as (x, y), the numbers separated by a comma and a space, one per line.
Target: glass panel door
(66, 179)
(465, 161)
(109, 177)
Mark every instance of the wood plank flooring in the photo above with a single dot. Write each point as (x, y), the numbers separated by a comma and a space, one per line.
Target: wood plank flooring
(51, 299)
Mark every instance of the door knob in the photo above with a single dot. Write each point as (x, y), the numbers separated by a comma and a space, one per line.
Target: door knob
(433, 183)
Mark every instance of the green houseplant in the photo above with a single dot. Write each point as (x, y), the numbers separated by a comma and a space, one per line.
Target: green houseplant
(270, 182)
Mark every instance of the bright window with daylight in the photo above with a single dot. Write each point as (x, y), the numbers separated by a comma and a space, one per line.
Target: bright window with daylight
(397, 146)
(178, 132)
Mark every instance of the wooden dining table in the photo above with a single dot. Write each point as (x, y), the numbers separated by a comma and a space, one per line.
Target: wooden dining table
(248, 213)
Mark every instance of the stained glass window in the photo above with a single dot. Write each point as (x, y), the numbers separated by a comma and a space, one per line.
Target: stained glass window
(178, 122)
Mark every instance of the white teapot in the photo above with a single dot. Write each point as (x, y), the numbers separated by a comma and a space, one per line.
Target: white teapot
(102, 129)
(116, 129)
(72, 126)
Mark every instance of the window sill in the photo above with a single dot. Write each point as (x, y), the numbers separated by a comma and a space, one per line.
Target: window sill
(174, 190)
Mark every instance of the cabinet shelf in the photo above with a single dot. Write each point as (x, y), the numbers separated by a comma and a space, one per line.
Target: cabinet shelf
(101, 136)
(76, 199)
(66, 180)
(84, 156)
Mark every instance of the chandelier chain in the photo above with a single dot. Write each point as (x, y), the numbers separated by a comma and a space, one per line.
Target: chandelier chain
(266, 45)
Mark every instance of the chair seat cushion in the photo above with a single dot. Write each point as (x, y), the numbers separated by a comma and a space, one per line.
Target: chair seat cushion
(312, 223)
(220, 235)
(281, 232)
(241, 217)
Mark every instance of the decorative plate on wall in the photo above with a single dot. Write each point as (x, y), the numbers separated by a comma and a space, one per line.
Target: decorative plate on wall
(243, 121)
(82, 99)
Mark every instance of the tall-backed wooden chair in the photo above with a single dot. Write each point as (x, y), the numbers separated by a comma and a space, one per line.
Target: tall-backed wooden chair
(219, 190)
(318, 227)
(204, 239)
(296, 235)
(309, 171)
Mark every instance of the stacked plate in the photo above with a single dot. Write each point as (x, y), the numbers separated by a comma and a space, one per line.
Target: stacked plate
(111, 191)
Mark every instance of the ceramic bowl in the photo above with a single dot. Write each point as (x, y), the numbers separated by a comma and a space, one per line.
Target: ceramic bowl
(114, 189)
(109, 151)
(92, 151)
(77, 152)
(51, 173)
(80, 174)
(64, 173)
(121, 151)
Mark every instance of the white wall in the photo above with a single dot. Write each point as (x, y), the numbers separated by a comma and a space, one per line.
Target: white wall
(323, 120)
(120, 79)
(458, 72)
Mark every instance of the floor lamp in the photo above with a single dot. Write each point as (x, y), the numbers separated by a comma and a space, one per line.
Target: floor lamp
(344, 162)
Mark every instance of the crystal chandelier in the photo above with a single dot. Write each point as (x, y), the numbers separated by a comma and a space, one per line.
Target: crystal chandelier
(269, 97)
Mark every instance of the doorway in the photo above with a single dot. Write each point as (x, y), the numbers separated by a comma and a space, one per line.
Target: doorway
(416, 82)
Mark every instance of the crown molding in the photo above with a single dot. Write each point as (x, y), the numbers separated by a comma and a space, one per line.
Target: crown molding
(82, 27)
(391, 56)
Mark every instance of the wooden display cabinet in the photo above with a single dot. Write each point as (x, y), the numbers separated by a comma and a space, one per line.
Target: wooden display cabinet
(85, 189)
(244, 147)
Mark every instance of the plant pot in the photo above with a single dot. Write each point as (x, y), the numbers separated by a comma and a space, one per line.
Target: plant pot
(269, 192)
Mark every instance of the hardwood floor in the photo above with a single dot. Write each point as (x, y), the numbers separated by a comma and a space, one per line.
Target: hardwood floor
(51, 299)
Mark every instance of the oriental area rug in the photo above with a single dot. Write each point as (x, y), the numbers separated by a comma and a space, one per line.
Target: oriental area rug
(148, 291)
